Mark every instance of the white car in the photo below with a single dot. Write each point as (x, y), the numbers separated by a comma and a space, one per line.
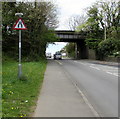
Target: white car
(57, 55)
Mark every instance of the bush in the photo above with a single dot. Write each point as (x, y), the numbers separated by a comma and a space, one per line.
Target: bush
(108, 47)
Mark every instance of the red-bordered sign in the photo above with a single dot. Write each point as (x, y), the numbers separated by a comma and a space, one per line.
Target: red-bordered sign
(19, 25)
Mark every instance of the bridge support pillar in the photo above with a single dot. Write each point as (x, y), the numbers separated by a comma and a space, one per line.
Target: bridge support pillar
(81, 50)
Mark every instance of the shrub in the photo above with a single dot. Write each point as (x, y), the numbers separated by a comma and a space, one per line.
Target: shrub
(108, 47)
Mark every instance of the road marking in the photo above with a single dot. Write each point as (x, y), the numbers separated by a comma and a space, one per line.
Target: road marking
(115, 70)
(58, 62)
(106, 69)
(87, 102)
(95, 67)
(76, 61)
(92, 64)
(109, 72)
(80, 63)
(115, 74)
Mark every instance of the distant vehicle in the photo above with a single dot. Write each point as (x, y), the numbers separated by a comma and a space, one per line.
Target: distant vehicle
(58, 55)
(48, 55)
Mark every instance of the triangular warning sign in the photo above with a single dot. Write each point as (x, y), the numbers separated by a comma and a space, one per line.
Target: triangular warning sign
(19, 25)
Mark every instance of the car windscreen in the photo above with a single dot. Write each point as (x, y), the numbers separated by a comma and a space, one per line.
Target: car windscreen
(58, 53)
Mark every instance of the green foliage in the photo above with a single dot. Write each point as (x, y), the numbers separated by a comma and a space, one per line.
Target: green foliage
(103, 15)
(93, 43)
(109, 46)
(39, 19)
(70, 48)
(114, 32)
(19, 97)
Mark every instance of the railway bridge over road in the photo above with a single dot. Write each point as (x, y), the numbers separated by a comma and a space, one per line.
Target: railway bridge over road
(78, 38)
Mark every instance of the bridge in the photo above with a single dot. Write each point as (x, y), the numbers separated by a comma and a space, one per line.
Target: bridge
(78, 38)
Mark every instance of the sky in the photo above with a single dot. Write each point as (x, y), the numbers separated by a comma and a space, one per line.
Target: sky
(67, 8)
(52, 48)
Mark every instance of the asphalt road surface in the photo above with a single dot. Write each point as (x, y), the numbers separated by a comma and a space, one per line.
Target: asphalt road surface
(99, 83)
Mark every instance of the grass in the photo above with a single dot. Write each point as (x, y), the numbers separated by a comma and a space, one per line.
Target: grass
(18, 97)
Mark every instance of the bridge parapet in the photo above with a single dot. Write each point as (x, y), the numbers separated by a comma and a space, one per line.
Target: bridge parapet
(70, 35)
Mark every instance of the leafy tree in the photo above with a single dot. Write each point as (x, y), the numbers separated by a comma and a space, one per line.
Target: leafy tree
(70, 49)
(108, 47)
(103, 15)
(40, 18)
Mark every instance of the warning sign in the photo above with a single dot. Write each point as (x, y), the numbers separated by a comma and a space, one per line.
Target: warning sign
(19, 25)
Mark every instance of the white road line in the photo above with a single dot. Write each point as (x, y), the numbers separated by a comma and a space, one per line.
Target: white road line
(58, 62)
(107, 69)
(76, 61)
(110, 68)
(95, 67)
(80, 63)
(83, 96)
(109, 72)
(87, 102)
(115, 74)
(92, 64)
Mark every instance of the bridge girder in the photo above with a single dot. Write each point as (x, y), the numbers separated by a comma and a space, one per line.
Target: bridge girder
(78, 38)
(69, 36)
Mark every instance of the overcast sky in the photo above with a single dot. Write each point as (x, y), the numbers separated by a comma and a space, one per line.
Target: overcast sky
(68, 8)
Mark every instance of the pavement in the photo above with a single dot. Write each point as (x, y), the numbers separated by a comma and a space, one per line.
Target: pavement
(59, 97)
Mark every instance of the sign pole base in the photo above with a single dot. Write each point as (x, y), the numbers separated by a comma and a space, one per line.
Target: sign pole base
(19, 70)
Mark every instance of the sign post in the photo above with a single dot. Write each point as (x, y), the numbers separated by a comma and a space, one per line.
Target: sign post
(19, 26)
(19, 65)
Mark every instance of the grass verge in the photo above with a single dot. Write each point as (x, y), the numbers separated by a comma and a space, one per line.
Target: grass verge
(19, 96)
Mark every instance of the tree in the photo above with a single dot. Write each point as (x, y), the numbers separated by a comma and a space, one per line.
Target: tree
(75, 21)
(111, 12)
(70, 49)
(40, 18)
(103, 20)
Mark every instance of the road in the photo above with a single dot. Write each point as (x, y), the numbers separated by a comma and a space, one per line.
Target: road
(99, 84)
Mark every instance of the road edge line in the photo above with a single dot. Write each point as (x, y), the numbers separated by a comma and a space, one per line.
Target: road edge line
(58, 62)
(81, 93)
(87, 102)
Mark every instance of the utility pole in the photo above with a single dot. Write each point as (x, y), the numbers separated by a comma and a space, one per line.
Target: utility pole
(105, 32)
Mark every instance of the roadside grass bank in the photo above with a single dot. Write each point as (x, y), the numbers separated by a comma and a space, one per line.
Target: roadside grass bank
(19, 96)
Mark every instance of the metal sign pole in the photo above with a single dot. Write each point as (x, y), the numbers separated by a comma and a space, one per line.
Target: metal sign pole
(19, 65)
(19, 26)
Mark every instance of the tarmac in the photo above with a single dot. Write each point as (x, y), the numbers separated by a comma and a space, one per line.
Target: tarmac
(115, 64)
